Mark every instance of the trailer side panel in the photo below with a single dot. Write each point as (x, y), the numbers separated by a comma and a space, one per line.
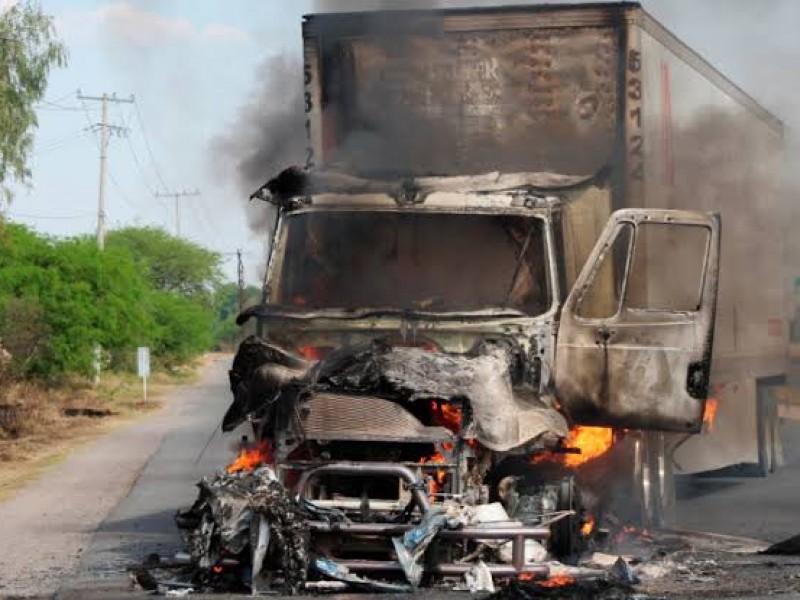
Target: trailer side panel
(708, 146)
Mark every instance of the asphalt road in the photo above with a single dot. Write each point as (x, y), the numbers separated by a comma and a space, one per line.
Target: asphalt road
(762, 508)
(75, 531)
(142, 523)
(112, 502)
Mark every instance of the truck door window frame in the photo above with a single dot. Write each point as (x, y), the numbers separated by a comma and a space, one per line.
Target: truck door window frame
(633, 247)
(608, 254)
(703, 267)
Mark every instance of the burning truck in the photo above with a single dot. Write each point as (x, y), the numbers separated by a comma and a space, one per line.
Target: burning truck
(479, 338)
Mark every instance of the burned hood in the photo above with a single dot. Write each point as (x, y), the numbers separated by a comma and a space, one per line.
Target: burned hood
(501, 416)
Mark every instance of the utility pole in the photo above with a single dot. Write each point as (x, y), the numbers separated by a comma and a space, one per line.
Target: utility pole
(240, 272)
(105, 128)
(177, 196)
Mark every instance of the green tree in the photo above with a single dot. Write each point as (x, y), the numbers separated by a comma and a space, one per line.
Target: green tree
(184, 328)
(29, 49)
(226, 307)
(81, 297)
(23, 333)
(172, 264)
(58, 298)
(183, 277)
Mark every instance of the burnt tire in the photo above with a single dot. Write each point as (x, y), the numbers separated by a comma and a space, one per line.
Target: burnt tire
(654, 481)
(566, 541)
(768, 432)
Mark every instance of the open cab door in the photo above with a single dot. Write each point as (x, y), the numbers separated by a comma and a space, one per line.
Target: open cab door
(636, 332)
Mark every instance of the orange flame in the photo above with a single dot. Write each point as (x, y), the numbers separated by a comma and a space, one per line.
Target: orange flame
(250, 458)
(592, 442)
(710, 413)
(550, 582)
(315, 353)
(447, 415)
(440, 475)
(629, 531)
(450, 416)
(588, 526)
(557, 581)
(437, 457)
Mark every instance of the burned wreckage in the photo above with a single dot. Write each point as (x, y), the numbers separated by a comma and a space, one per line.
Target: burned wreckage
(429, 402)
(473, 375)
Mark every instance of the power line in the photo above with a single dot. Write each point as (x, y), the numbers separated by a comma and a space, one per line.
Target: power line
(56, 104)
(150, 190)
(59, 143)
(32, 216)
(203, 219)
(153, 162)
(71, 135)
(149, 148)
(177, 196)
(123, 196)
(138, 163)
(52, 106)
(59, 99)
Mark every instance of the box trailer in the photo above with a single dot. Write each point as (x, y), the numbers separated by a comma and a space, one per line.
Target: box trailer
(600, 91)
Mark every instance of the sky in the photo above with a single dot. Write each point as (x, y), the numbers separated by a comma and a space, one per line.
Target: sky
(190, 64)
(193, 64)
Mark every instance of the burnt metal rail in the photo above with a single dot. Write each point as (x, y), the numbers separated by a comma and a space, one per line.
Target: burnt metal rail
(448, 569)
(415, 484)
(517, 535)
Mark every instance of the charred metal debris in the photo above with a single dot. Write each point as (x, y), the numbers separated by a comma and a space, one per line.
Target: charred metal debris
(387, 469)
(373, 451)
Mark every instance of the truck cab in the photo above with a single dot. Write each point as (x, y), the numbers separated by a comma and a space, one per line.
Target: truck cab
(494, 282)
(420, 333)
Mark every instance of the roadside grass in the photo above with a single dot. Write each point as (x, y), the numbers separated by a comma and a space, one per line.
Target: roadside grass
(41, 424)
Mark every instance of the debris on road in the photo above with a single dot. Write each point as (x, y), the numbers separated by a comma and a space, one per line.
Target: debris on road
(621, 571)
(246, 533)
(370, 473)
(479, 579)
(340, 573)
(568, 590)
(788, 547)
(237, 518)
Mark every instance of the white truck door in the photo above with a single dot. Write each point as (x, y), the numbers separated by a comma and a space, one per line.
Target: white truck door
(636, 332)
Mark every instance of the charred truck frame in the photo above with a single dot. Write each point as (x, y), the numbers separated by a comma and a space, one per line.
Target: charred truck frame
(433, 339)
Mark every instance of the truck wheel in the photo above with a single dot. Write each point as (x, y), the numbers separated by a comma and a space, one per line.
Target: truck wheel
(566, 542)
(768, 431)
(654, 480)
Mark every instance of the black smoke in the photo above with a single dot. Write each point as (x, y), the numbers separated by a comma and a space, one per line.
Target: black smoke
(267, 133)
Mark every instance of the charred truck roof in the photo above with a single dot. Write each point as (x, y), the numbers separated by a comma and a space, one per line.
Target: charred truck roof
(388, 22)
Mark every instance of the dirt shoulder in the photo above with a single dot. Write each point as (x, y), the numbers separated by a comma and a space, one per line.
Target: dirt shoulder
(53, 519)
(40, 426)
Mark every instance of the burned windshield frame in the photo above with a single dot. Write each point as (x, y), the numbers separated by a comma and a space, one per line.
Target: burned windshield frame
(535, 300)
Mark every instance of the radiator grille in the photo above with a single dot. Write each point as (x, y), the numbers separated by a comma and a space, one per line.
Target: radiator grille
(365, 418)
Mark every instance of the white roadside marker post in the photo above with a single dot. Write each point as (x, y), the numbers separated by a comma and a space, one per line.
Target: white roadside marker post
(143, 368)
